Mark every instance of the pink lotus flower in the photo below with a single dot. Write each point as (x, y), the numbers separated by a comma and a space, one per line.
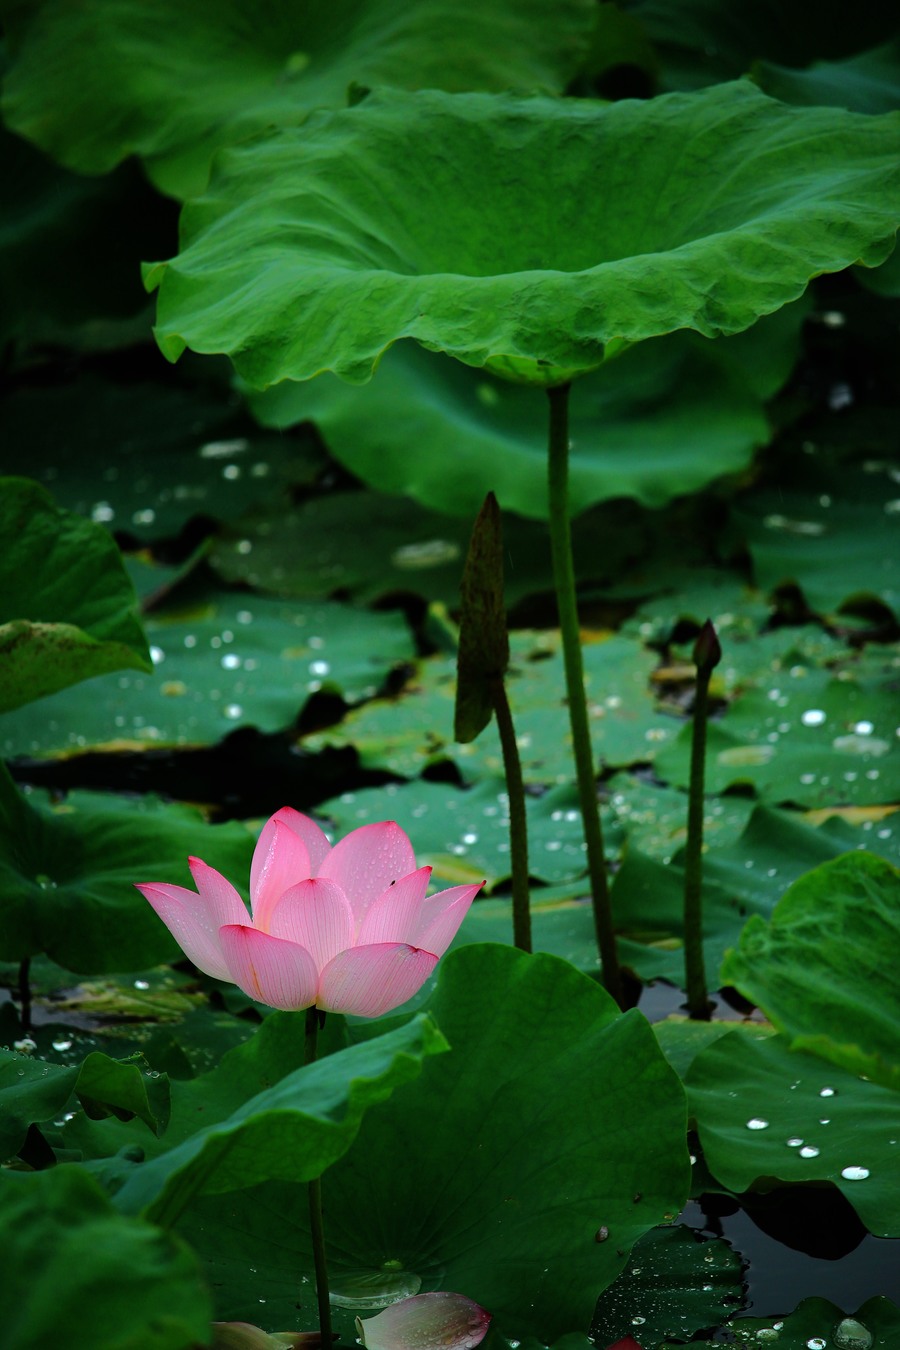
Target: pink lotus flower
(348, 928)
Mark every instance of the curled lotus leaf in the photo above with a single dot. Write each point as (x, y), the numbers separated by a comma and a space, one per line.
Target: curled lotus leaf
(535, 237)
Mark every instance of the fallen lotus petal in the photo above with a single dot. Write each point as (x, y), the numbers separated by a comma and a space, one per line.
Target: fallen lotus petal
(436, 1321)
(349, 928)
(626, 1343)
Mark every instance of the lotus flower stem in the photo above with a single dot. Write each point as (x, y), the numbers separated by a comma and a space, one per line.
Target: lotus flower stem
(314, 1188)
(564, 580)
(518, 825)
(707, 655)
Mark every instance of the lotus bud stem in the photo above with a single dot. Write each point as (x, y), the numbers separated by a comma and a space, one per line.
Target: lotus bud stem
(707, 655)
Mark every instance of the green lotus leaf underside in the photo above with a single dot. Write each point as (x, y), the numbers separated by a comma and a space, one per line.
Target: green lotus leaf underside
(172, 82)
(529, 235)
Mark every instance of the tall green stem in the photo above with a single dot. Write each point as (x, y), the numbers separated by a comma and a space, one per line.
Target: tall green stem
(316, 1224)
(707, 654)
(518, 826)
(564, 579)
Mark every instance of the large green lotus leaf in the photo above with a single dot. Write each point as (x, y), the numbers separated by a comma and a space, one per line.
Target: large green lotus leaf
(550, 230)
(464, 836)
(69, 251)
(236, 659)
(79, 1274)
(676, 1283)
(414, 729)
(290, 1132)
(68, 608)
(145, 457)
(815, 1322)
(34, 1092)
(693, 595)
(766, 1114)
(552, 1116)
(741, 877)
(867, 83)
(836, 540)
(809, 737)
(67, 875)
(372, 546)
(654, 817)
(823, 968)
(173, 84)
(701, 41)
(231, 1071)
(681, 1038)
(884, 280)
(664, 419)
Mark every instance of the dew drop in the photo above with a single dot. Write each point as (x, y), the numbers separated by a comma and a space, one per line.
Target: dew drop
(816, 1343)
(233, 711)
(812, 717)
(852, 1335)
(826, 1092)
(142, 984)
(757, 1124)
(854, 1173)
(809, 1151)
(638, 1321)
(794, 1143)
(767, 1334)
(60, 1046)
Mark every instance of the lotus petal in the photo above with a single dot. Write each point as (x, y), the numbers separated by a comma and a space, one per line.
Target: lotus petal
(316, 915)
(366, 861)
(269, 969)
(394, 916)
(192, 924)
(369, 981)
(280, 860)
(441, 916)
(313, 836)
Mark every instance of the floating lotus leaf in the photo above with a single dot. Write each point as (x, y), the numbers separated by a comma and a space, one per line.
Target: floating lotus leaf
(145, 456)
(233, 660)
(676, 1283)
(767, 1114)
(98, 81)
(530, 235)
